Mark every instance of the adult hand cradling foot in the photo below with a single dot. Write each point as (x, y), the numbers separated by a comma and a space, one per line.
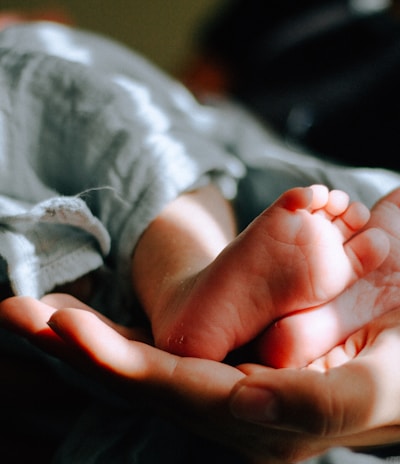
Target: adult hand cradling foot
(285, 415)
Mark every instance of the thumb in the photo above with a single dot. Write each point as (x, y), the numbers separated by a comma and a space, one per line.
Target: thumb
(356, 396)
(303, 401)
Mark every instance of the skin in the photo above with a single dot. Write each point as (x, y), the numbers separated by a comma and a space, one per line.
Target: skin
(208, 293)
(219, 398)
(303, 337)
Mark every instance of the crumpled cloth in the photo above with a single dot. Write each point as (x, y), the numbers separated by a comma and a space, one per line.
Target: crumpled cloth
(51, 243)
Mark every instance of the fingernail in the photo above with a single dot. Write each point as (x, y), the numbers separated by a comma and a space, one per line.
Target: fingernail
(53, 326)
(255, 405)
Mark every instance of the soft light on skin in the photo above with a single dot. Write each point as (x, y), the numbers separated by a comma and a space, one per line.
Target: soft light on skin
(280, 347)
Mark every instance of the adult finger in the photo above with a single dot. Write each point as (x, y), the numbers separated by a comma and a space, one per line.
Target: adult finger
(134, 362)
(64, 300)
(28, 317)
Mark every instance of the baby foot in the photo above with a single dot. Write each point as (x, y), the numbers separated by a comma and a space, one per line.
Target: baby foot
(300, 252)
(296, 340)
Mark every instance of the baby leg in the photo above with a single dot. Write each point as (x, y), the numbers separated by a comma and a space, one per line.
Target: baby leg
(301, 252)
(296, 340)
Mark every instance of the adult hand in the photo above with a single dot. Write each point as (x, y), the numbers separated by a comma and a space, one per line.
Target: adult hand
(350, 404)
(349, 397)
(191, 391)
